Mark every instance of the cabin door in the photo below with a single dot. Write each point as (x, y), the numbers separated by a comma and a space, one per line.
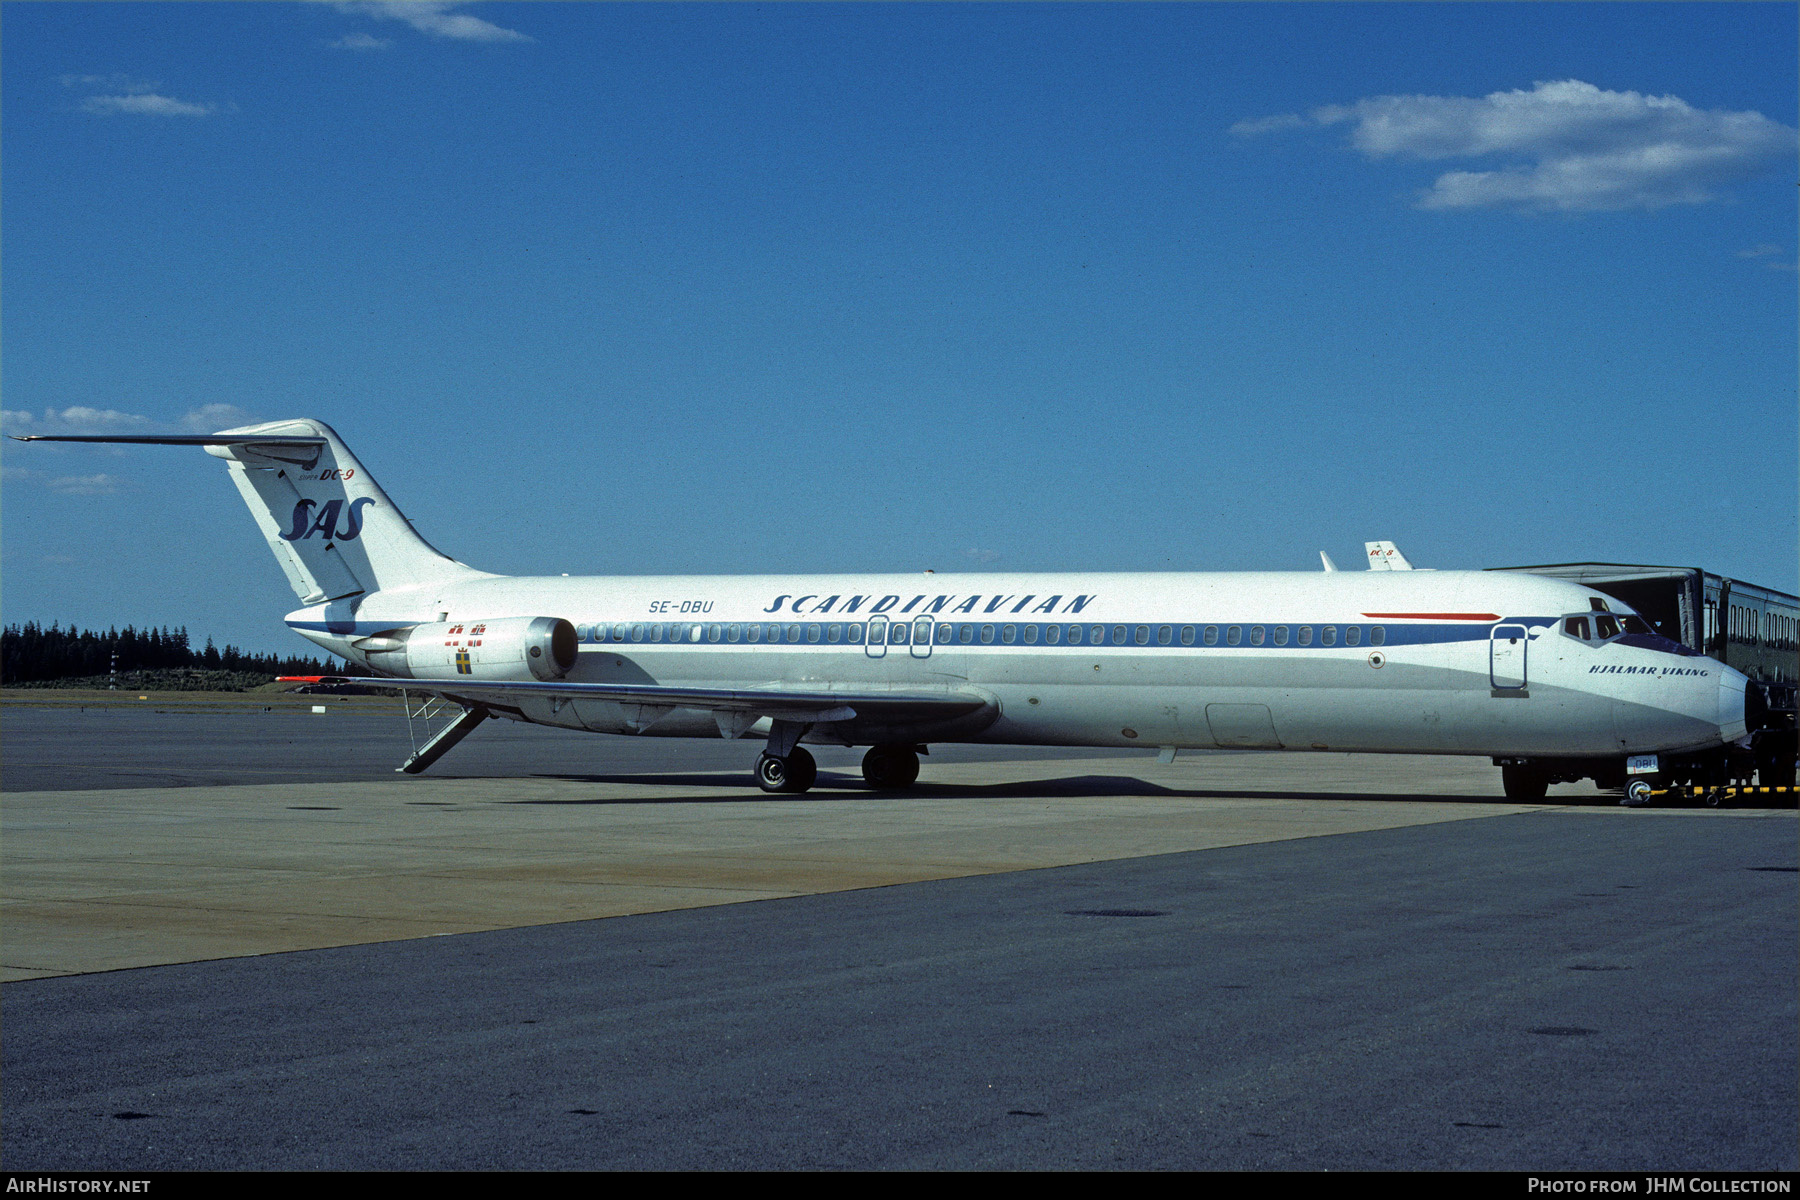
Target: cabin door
(1506, 657)
(875, 646)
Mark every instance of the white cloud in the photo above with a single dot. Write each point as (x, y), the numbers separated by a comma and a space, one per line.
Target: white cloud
(361, 41)
(210, 418)
(85, 485)
(436, 18)
(146, 104)
(76, 420)
(1566, 146)
(115, 83)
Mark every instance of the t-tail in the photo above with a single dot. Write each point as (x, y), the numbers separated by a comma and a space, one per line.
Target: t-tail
(331, 527)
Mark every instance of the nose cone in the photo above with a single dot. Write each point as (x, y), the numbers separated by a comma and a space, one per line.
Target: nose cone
(1732, 723)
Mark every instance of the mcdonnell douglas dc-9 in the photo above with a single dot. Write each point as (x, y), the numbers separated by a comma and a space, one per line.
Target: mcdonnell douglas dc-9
(1552, 680)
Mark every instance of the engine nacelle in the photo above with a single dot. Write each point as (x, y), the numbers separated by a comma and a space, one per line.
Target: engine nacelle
(517, 649)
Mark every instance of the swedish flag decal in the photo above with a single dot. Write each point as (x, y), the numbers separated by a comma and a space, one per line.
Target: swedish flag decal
(462, 663)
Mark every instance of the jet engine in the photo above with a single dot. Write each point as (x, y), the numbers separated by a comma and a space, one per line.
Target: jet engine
(509, 648)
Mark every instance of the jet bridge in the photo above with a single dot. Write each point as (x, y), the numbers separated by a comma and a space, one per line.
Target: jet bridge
(1751, 628)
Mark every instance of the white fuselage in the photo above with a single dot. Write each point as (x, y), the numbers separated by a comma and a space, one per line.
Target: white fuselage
(1434, 662)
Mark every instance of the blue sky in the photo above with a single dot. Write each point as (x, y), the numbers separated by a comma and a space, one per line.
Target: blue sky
(736, 288)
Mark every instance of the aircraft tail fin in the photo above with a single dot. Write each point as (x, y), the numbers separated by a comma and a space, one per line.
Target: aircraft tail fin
(1385, 556)
(331, 527)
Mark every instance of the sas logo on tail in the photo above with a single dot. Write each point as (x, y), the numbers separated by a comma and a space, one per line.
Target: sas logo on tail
(326, 523)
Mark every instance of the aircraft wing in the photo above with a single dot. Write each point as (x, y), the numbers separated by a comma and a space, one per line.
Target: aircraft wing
(778, 702)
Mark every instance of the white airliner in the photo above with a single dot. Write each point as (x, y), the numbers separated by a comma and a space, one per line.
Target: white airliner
(1552, 680)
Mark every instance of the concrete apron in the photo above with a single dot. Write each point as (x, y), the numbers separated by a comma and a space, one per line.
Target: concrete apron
(105, 880)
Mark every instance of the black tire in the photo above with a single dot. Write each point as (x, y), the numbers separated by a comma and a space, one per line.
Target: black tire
(795, 773)
(1523, 784)
(888, 767)
(802, 770)
(771, 773)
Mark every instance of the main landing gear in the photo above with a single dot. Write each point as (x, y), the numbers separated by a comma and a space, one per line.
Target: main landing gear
(889, 767)
(793, 772)
(885, 768)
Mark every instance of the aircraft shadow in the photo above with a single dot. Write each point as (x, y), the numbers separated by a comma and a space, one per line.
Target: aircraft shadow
(833, 786)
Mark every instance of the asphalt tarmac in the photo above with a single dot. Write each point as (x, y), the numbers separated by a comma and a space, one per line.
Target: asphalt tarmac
(114, 747)
(1492, 986)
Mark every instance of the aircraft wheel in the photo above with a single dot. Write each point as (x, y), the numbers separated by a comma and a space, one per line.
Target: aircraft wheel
(795, 773)
(1522, 783)
(886, 767)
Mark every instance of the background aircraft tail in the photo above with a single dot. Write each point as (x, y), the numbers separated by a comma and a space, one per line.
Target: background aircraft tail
(331, 527)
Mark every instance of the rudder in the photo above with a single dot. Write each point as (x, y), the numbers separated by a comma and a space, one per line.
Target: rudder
(333, 530)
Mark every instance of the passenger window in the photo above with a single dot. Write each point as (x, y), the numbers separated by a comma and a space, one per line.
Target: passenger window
(734, 632)
(1281, 635)
(1141, 635)
(1256, 635)
(945, 632)
(1212, 635)
(793, 633)
(1353, 636)
(897, 633)
(834, 633)
(714, 633)
(1097, 635)
(854, 632)
(1378, 636)
(637, 633)
(1009, 633)
(812, 633)
(1164, 635)
(1052, 634)
(1328, 635)
(1233, 635)
(987, 635)
(965, 634)
(1074, 635)
(1031, 635)
(1187, 635)
(1305, 636)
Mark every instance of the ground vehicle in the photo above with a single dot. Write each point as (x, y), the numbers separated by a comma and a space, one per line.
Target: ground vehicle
(1753, 629)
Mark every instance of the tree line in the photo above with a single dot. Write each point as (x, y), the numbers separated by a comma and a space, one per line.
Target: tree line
(30, 653)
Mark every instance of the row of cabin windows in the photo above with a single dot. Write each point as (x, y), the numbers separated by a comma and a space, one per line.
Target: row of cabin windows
(944, 633)
(1776, 630)
(1752, 627)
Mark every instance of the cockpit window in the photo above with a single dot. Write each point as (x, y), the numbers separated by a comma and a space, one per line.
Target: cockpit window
(1606, 626)
(1636, 624)
(1576, 627)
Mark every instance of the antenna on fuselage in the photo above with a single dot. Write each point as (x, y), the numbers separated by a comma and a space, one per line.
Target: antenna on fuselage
(1326, 559)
